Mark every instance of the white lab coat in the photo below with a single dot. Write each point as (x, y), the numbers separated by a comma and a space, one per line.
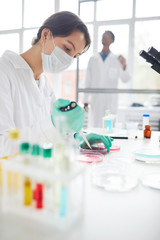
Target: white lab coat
(103, 74)
(23, 104)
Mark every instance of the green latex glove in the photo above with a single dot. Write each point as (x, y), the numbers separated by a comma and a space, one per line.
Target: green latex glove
(67, 120)
(94, 138)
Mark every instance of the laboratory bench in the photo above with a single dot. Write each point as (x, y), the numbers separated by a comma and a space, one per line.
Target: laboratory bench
(108, 215)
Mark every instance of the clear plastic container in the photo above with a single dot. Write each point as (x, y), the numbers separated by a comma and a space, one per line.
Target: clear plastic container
(145, 120)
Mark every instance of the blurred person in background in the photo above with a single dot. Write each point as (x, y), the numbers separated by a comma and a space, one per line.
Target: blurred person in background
(103, 71)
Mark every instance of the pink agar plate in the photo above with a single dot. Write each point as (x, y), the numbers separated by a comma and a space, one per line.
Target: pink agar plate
(90, 157)
(114, 148)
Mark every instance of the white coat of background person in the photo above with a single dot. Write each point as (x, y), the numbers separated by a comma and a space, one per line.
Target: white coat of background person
(103, 71)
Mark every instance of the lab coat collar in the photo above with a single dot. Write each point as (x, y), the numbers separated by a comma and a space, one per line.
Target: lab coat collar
(16, 60)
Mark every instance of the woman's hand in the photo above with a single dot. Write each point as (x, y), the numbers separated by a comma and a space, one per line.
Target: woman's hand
(67, 116)
(94, 138)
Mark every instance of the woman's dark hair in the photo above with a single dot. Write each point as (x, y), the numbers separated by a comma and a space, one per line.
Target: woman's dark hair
(63, 24)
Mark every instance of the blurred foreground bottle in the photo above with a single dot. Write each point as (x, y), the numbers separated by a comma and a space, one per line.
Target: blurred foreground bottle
(13, 142)
(13, 151)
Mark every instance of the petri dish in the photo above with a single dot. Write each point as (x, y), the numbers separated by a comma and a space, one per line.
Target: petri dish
(114, 175)
(96, 148)
(115, 182)
(114, 148)
(90, 157)
(151, 180)
(148, 155)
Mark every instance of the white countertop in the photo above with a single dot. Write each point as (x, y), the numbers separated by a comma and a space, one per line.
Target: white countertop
(133, 215)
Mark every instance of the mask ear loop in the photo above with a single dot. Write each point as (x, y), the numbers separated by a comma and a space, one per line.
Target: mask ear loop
(53, 42)
(42, 47)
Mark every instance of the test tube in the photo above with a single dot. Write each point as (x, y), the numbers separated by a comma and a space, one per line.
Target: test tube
(38, 196)
(35, 154)
(27, 192)
(25, 152)
(47, 155)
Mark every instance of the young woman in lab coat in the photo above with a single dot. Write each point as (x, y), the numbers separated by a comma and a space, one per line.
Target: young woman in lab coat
(103, 71)
(26, 98)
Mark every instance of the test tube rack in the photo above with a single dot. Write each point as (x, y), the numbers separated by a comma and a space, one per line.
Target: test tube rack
(62, 201)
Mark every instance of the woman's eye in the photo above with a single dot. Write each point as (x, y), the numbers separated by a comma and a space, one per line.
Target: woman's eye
(67, 49)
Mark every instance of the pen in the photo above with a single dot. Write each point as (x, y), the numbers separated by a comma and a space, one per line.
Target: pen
(114, 137)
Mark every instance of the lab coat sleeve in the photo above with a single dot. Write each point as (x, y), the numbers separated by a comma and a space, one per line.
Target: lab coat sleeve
(124, 75)
(44, 129)
(48, 133)
(88, 81)
(6, 113)
(6, 104)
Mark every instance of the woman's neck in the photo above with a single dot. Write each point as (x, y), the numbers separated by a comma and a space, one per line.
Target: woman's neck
(34, 60)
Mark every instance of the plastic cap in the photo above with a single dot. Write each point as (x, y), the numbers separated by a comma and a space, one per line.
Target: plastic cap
(14, 133)
(47, 151)
(24, 147)
(146, 115)
(35, 150)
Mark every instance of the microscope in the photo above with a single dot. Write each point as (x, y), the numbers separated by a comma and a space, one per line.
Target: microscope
(152, 56)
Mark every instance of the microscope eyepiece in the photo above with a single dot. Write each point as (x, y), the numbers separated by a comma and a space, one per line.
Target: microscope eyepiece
(152, 51)
(153, 57)
(143, 54)
(146, 56)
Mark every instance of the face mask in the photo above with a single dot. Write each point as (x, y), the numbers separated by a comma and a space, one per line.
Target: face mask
(57, 61)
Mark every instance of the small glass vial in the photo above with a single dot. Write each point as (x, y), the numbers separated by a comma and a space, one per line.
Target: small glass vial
(108, 121)
(147, 131)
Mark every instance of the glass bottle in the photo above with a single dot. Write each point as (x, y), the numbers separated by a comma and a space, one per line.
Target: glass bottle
(147, 131)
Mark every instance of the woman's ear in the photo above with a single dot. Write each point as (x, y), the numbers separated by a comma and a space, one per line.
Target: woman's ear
(45, 34)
